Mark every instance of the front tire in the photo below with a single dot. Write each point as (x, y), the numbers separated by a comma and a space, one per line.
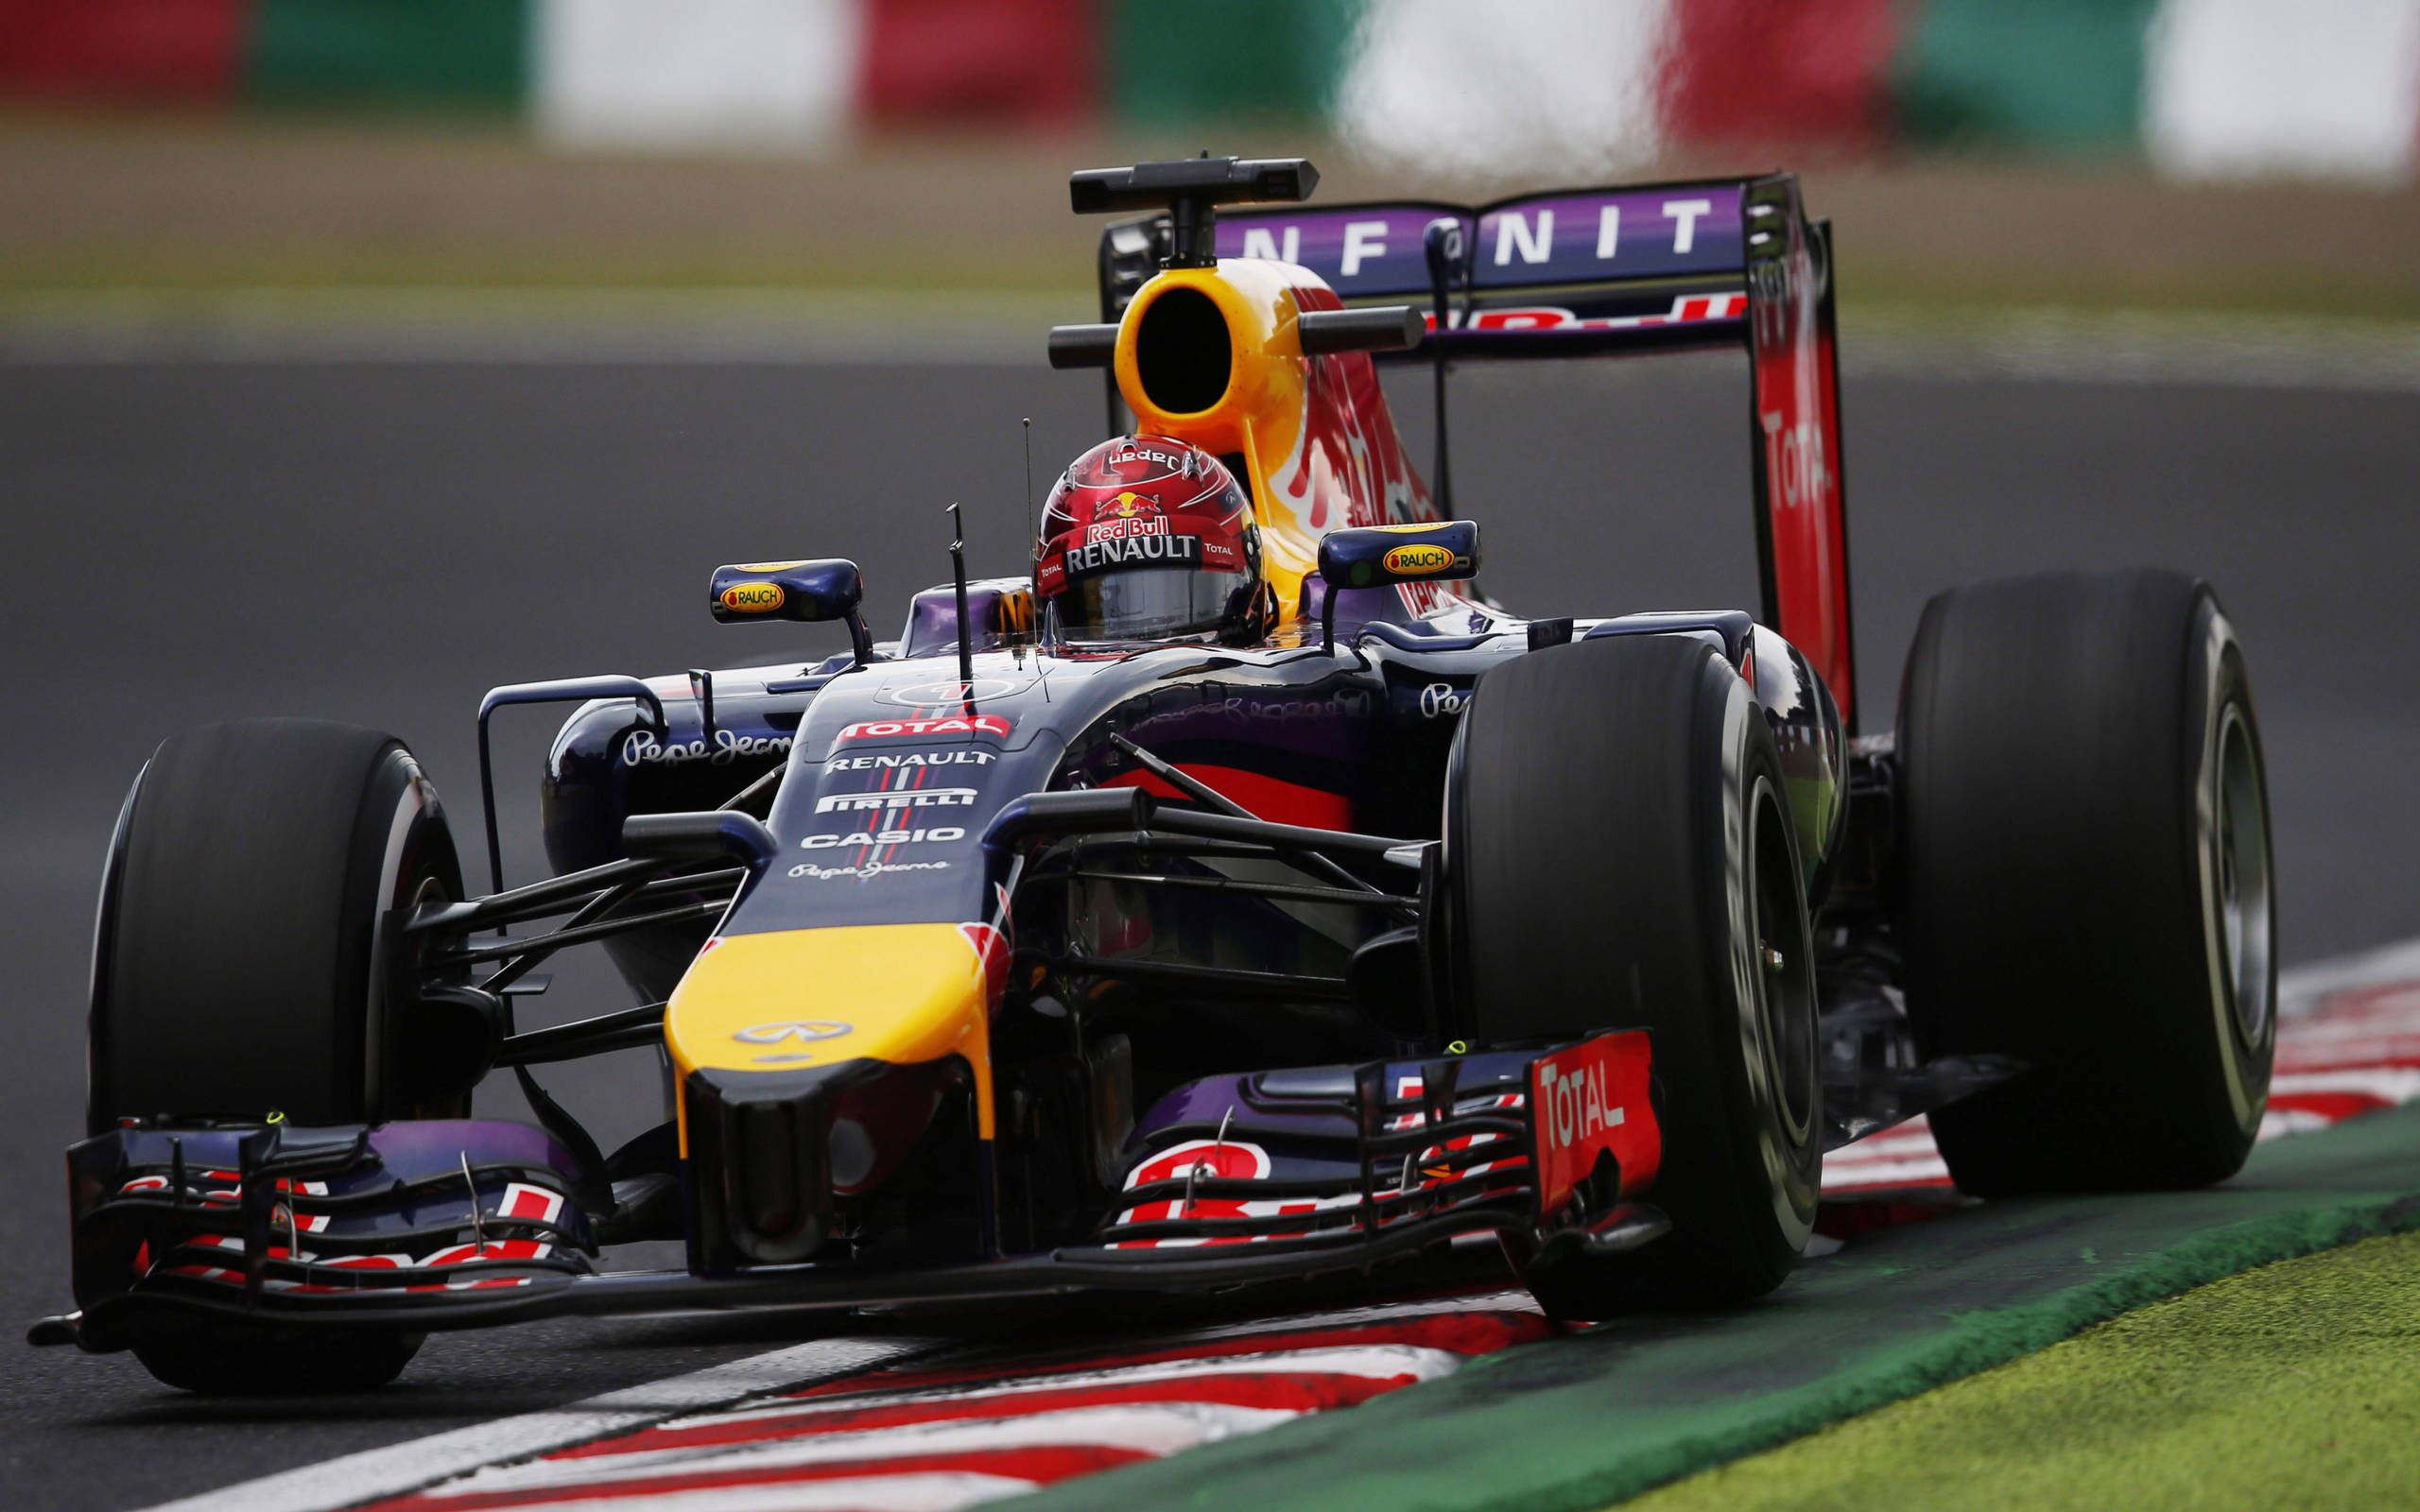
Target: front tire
(1620, 853)
(218, 1358)
(247, 963)
(2086, 879)
(244, 958)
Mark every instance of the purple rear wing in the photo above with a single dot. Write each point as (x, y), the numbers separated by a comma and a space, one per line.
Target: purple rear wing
(1705, 264)
(1546, 274)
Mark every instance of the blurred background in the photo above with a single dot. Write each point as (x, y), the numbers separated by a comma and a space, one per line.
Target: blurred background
(2175, 154)
(357, 355)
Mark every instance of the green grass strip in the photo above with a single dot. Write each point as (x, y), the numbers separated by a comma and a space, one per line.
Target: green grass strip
(1582, 1422)
(2289, 1385)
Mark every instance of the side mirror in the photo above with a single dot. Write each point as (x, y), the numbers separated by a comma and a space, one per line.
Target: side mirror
(812, 591)
(827, 588)
(1372, 556)
(1376, 556)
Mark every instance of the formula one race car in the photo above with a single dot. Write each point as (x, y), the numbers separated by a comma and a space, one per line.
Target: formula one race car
(1242, 897)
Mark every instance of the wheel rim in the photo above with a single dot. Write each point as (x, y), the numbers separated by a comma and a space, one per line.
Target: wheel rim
(2240, 840)
(1783, 977)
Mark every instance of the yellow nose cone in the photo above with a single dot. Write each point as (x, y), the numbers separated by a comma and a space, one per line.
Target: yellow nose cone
(792, 999)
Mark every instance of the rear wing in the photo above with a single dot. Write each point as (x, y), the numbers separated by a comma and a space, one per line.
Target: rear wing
(1709, 265)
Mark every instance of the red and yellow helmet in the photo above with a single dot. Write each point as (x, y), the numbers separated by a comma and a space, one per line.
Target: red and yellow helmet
(1151, 538)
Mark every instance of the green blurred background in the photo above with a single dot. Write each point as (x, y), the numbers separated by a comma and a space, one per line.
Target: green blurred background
(2169, 155)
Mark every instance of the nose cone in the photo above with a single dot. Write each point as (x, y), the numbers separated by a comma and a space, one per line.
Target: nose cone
(787, 999)
(811, 1061)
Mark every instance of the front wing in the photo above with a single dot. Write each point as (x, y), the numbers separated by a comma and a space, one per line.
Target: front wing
(1262, 1177)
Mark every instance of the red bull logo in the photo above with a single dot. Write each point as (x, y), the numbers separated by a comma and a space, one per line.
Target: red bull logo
(1125, 518)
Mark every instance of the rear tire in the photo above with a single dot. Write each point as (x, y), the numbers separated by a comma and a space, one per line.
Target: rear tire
(245, 962)
(2086, 879)
(1619, 854)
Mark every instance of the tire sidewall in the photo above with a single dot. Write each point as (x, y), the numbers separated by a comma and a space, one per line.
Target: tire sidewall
(97, 1119)
(404, 826)
(1786, 1154)
(2223, 689)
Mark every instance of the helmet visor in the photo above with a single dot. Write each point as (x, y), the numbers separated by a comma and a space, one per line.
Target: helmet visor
(1146, 604)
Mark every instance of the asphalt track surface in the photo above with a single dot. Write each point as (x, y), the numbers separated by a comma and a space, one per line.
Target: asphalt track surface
(379, 543)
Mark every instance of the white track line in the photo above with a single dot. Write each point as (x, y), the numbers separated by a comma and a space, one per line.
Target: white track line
(2301, 989)
(1368, 1362)
(1512, 1299)
(961, 328)
(602, 328)
(2391, 1085)
(2120, 347)
(922, 1491)
(1158, 1429)
(400, 1468)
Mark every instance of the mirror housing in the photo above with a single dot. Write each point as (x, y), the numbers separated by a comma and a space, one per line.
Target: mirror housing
(807, 592)
(1374, 556)
(828, 588)
(1378, 555)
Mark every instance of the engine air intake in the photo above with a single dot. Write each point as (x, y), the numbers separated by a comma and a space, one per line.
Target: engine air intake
(1182, 354)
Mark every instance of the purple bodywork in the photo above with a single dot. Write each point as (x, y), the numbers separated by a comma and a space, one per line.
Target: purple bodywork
(1685, 231)
(401, 1210)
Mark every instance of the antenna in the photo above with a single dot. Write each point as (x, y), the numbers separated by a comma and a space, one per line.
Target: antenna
(1032, 520)
(958, 570)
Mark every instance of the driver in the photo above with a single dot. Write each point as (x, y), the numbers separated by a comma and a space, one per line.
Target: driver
(1146, 537)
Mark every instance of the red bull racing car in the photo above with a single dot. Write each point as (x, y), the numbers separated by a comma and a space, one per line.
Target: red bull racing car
(1243, 896)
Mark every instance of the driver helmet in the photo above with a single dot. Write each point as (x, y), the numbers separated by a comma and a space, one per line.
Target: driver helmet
(1146, 537)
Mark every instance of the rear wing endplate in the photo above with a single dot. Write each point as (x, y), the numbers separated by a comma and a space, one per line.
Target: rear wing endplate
(1709, 265)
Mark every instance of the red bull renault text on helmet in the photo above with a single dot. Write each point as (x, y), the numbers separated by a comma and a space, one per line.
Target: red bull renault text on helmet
(1147, 539)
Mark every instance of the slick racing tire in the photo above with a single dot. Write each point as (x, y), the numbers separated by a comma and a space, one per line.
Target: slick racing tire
(2086, 881)
(1619, 854)
(246, 964)
(220, 1358)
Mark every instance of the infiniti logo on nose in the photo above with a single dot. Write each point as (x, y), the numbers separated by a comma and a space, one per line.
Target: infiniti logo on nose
(805, 1030)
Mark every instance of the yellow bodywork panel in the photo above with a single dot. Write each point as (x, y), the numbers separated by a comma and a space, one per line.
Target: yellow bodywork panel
(1262, 412)
(788, 1000)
